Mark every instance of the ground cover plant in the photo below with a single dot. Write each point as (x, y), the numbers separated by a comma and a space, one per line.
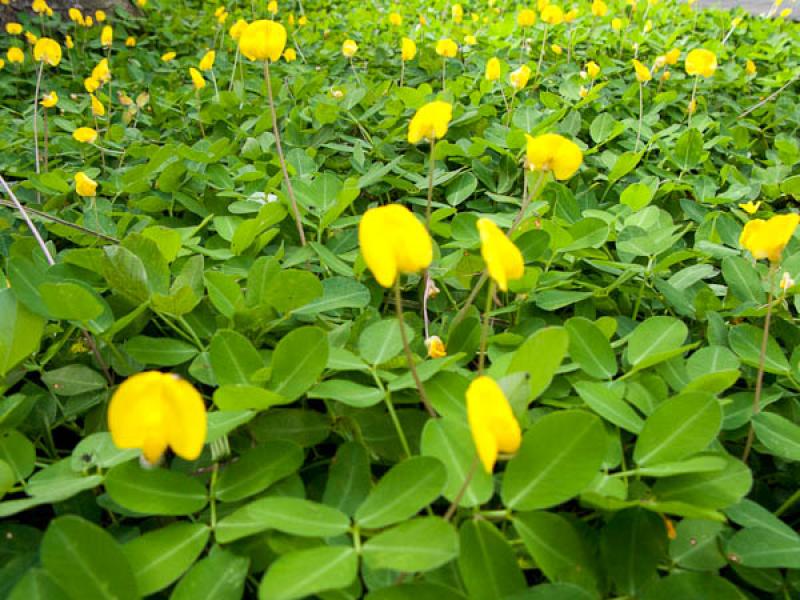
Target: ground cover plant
(388, 300)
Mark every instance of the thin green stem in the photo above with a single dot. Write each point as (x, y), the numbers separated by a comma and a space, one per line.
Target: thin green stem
(398, 303)
(641, 116)
(485, 327)
(431, 169)
(387, 397)
(788, 504)
(451, 510)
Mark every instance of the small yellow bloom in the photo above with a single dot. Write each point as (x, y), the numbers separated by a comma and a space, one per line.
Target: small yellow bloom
(141, 3)
(408, 49)
(100, 16)
(98, 110)
(2, 64)
(526, 17)
(68, 42)
(207, 62)
(435, 347)
(222, 17)
(75, 15)
(88, 21)
(570, 15)
(84, 185)
(85, 135)
(599, 8)
(491, 420)
(237, 29)
(671, 57)
(302, 21)
(30, 38)
(395, 19)
(154, 411)
(457, 13)
(290, 55)
(750, 67)
(430, 122)
(648, 26)
(767, 239)
(106, 36)
(787, 281)
(552, 152)
(542, 4)
(616, 23)
(470, 40)
(447, 48)
(101, 72)
(493, 69)
(503, 259)
(642, 73)
(39, 6)
(785, 13)
(349, 48)
(750, 207)
(197, 79)
(692, 108)
(15, 55)
(13, 28)
(519, 77)
(168, 56)
(736, 21)
(263, 40)
(49, 100)
(393, 241)
(666, 75)
(272, 7)
(592, 69)
(47, 50)
(552, 15)
(556, 49)
(583, 92)
(130, 41)
(91, 84)
(701, 62)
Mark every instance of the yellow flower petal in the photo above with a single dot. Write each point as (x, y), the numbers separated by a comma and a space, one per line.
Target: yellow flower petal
(263, 40)
(491, 420)
(503, 259)
(552, 152)
(430, 122)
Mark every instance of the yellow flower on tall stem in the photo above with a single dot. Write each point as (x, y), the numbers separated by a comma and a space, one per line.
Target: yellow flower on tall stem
(551, 15)
(492, 422)
(428, 124)
(153, 411)
(207, 64)
(265, 40)
(643, 75)
(525, 18)
(699, 63)
(408, 50)
(446, 48)
(85, 186)
(46, 51)
(766, 239)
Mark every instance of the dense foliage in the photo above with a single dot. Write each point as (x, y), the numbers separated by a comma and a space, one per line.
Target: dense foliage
(653, 462)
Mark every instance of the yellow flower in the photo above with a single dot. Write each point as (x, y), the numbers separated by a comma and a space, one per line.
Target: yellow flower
(99, 16)
(106, 36)
(491, 420)
(237, 29)
(503, 259)
(493, 69)
(2, 64)
(141, 3)
(526, 17)
(154, 411)
(13, 28)
(408, 49)
(49, 100)
(68, 42)
(84, 185)
(556, 48)
(750, 207)
(542, 4)
(98, 110)
(290, 55)
(130, 41)
(47, 50)
(570, 15)
(75, 15)
(583, 92)
(666, 75)
(648, 26)
(207, 62)
(457, 12)
(701, 62)
(168, 56)
(599, 8)
(101, 72)
(349, 48)
(592, 69)
(263, 40)
(15, 55)
(750, 67)
(222, 17)
(552, 152)
(393, 241)
(470, 40)
(220, 10)
(519, 78)
(430, 122)
(692, 108)
(302, 21)
(272, 7)
(197, 78)
(395, 19)
(552, 15)
(767, 239)
(785, 13)
(91, 84)
(642, 72)
(88, 22)
(447, 48)
(616, 24)
(39, 6)
(30, 38)
(435, 347)
(85, 135)
(672, 56)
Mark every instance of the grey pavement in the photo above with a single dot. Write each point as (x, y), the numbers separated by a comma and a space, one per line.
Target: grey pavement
(756, 7)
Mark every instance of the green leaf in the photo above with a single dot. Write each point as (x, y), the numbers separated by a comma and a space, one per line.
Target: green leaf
(298, 361)
(679, 427)
(220, 576)
(607, 402)
(71, 300)
(73, 380)
(20, 332)
(693, 586)
(421, 544)
(7, 478)
(337, 293)
(18, 453)
(640, 537)
(762, 548)
(745, 341)
(347, 392)
(637, 195)
(405, 489)
(654, 340)
(292, 288)
(233, 357)
(590, 348)
(710, 489)
(294, 516)
(307, 572)
(540, 356)
(688, 150)
(697, 546)
(246, 397)
(37, 584)
(126, 274)
(743, 279)
(161, 351)
(257, 469)
(348, 478)
(560, 455)
(381, 341)
(160, 557)
(418, 591)
(461, 188)
(155, 491)
(86, 561)
(486, 562)
(780, 435)
(624, 164)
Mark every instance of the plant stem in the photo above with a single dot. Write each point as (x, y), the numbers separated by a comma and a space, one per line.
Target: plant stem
(398, 303)
(788, 504)
(281, 158)
(432, 164)
(693, 102)
(526, 200)
(541, 57)
(36, 116)
(451, 510)
(761, 358)
(641, 116)
(485, 327)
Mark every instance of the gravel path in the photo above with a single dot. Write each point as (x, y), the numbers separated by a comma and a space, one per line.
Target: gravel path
(756, 7)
